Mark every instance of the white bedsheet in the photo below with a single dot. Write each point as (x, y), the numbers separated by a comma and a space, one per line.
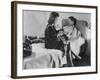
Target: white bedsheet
(43, 58)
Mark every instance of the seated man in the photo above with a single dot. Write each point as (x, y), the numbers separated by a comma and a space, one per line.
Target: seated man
(72, 38)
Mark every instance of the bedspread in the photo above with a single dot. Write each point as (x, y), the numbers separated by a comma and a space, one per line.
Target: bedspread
(44, 58)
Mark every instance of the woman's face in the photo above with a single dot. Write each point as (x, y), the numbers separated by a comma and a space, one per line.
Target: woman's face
(56, 20)
(57, 23)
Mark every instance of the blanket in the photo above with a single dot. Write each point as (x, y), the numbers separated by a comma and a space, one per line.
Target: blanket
(43, 58)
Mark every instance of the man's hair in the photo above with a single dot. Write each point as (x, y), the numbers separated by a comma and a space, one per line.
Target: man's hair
(73, 19)
(52, 17)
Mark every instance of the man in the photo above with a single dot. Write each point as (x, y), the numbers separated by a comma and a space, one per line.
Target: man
(74, 36)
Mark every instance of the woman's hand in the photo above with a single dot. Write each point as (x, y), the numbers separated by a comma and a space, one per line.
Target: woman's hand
(60, 33)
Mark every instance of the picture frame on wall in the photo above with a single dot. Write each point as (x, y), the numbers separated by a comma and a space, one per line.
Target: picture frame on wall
(51, 39)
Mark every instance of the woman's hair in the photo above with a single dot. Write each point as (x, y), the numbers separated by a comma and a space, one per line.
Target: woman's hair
(73, 19)
(52, 17)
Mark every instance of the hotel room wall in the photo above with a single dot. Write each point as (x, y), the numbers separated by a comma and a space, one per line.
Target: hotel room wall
(34, 22)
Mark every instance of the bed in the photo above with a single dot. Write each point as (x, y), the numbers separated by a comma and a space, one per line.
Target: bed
(43, 58)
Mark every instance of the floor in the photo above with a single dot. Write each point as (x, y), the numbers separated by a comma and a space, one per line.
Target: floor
(85, 61)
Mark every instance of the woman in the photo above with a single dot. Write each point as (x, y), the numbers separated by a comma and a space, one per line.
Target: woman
(51, 41)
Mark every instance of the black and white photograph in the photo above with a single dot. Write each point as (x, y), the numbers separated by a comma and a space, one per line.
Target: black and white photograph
(54, 39)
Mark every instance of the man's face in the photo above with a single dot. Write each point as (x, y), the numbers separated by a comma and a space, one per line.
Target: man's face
(67, 29)
(71, 23)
